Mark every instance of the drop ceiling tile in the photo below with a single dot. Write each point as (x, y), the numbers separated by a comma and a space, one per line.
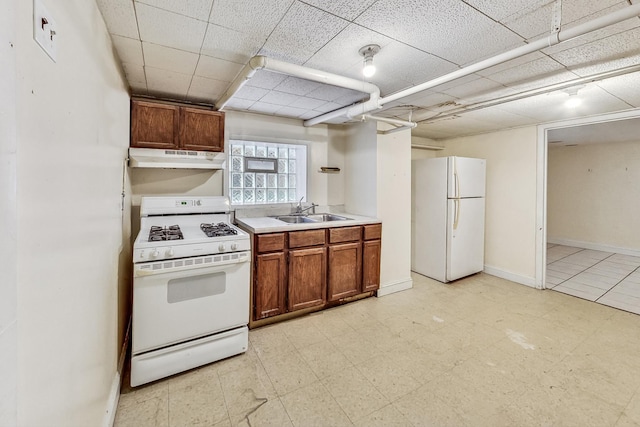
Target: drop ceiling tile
(297, 86)
(198, 9)
(129, 50)
(230, 45)
(241, 15)
(340, 54)
(266, 79)
(291, 111)
(135, 74)
(346, 9)
(206, 89)
(170, 29)
(309, 115)
(626, 87)
(168, 83)
(617, 51)
(550, 107)
(329, 93)
(120, 17)
(216, 68)
(167, 58)
(514, 63)
(532, 24)
(410, 64)
(279, 98)
(329, 106)
(351, 97)
(500, 10)
(426, 99)
(473, 89)
(449, 29)
(250, 93)
(534, 71)
(499, 119)
(239, 104)
(307, 103)
(263, 107)
(303, 30)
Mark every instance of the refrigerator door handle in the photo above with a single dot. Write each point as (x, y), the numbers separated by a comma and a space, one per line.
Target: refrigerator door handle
(456, 214)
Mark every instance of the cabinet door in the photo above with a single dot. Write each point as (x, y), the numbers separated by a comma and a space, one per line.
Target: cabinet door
(371, 265)
(345, 266)
(201, 130)
(154, 125)
(269, 289)
(307, 278)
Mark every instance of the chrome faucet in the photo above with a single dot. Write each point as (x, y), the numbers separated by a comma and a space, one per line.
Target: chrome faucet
(300, 210)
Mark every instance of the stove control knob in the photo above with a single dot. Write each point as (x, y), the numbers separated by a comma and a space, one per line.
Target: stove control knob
(170, 252)
(155, 253)
(234, 246)
(221, 247)
(198, 202)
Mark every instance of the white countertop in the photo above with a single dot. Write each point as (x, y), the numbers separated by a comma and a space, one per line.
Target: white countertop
(265, 224)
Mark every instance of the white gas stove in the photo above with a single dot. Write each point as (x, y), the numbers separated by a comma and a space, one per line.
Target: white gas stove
(191, 286)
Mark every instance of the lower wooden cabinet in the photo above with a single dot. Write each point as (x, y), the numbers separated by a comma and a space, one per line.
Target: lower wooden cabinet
(307, 278)
(371, 265)
(315, 268)
(345, 266)
(269, 290)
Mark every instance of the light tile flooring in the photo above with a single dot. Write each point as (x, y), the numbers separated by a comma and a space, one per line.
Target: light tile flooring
(607, 278)
(481, 351)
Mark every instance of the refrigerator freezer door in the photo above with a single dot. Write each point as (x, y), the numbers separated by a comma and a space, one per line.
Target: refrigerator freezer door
(465, 237)
(466, 177)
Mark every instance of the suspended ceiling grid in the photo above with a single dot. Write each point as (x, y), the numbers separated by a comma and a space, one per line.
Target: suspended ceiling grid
(193, 50)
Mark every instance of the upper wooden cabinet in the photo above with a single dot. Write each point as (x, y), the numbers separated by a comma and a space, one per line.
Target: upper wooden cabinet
(169, 126)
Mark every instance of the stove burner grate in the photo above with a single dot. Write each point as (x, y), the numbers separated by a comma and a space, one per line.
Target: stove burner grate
(157, 233)
(217, 230)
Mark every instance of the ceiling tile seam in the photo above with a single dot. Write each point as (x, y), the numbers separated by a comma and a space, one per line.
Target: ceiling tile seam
(144, 71)
(168, 11)
(331, 13)
(204, 36)
(615, 96)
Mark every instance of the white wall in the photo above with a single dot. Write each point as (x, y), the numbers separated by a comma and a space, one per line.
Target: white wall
(593, 194)
(393, 206)
(510, 233)
(360, 169)
(72, 126)
(8, 216)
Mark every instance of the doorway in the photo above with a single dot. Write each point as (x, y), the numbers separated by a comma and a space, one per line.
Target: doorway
(588, 245)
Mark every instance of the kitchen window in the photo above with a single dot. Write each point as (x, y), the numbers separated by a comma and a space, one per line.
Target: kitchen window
(266, 172)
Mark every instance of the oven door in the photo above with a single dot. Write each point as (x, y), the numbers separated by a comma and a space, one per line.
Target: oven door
(179, 300)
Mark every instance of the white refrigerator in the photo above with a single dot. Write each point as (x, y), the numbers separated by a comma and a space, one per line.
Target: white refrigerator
(448, 217)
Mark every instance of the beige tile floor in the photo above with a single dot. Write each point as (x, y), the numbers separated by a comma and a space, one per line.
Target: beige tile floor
(481, 351)
(604, 277)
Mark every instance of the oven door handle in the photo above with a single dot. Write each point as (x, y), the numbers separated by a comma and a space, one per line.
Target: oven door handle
(179, 266)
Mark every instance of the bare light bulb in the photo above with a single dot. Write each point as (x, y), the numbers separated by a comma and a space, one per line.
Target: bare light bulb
(369, 69)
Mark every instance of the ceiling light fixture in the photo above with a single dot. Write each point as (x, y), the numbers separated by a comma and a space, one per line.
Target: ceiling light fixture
(573, 100)
(368, 70)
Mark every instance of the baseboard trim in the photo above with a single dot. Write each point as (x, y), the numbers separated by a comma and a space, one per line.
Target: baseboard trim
(594, 246)
(114, 393)
(514, 277)
(393, 287)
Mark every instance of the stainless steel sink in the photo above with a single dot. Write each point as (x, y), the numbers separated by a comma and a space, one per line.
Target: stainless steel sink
(324, 217)
(295, 219)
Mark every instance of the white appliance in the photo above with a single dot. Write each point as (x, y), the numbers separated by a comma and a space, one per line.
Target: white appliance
(190, 287)
(448, 210)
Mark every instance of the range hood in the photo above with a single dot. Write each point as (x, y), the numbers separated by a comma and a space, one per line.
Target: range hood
(175, 159)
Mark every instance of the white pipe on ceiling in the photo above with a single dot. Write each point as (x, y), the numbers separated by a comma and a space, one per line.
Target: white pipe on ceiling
(263, 63)
(559, 37)
(396, 122)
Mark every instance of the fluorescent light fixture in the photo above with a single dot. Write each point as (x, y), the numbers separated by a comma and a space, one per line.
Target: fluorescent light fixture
(368, 70)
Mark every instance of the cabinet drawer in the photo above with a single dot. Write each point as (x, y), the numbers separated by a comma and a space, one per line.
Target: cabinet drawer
(372, 232)
(270, 242)
(344, 234)
(299, 239)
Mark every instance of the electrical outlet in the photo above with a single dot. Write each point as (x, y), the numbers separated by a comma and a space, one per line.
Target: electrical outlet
(44, 29)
